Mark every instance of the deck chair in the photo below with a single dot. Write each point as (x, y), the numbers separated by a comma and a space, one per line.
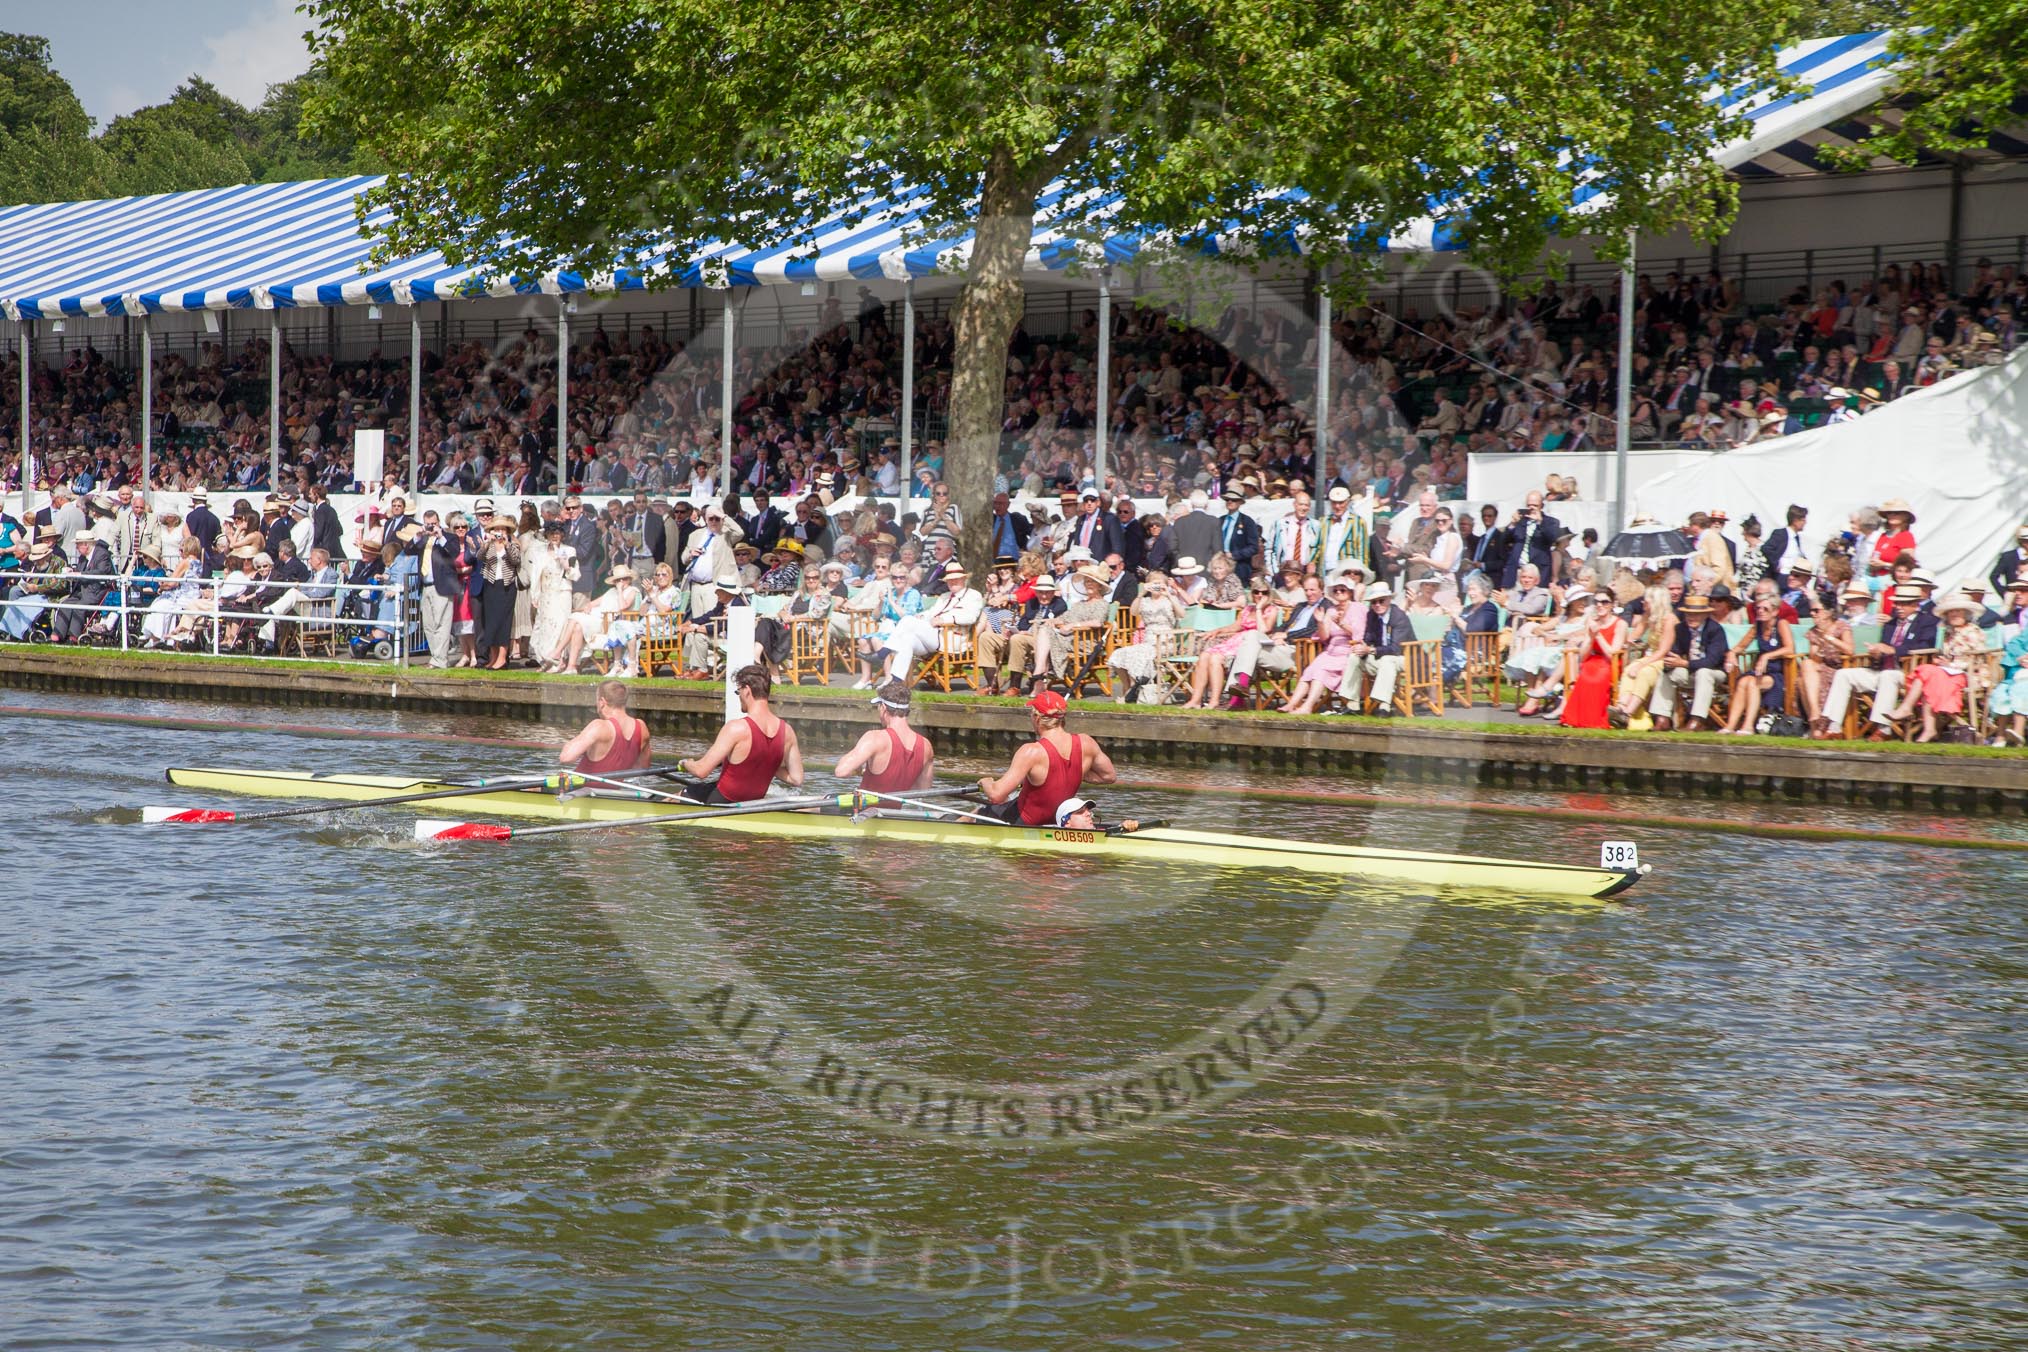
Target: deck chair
(1485, 663)
(1187, 641)
(312, 628)
(1087, 658)
(1277, 687)
(809, 651)
(955, 659)
(660, 645)
(1422, 677)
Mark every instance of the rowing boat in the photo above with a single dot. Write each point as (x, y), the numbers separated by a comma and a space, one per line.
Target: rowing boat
(1159, 844)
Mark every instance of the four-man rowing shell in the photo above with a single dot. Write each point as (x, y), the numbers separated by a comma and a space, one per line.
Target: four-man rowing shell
(925, 825)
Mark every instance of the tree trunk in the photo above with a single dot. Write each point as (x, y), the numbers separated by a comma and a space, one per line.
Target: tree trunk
(987, 310)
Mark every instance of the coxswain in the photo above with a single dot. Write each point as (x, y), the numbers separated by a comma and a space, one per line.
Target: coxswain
(752, 751)
(892, 758)
(611, 742)
(1081, 814)
(1046, 771)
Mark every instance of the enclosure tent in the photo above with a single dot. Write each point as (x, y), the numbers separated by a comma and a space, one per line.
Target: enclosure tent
(285, 245)
(1957, 451)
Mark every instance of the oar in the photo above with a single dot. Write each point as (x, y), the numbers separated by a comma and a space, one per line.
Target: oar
(559, 780)
(1114, 830)
(446, 830)
(852, 800)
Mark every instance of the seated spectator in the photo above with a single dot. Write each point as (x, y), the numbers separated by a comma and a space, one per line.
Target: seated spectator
(1938, 685)
(1759, 661)
(1695, 662)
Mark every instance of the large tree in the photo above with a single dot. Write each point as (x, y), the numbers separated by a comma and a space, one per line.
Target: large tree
(46, 150)
(581, 134)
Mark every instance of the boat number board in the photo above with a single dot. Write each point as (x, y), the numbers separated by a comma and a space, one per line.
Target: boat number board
(1621, 855)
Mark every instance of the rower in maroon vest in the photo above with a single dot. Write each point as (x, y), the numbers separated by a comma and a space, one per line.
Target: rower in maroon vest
(1047, 771)
(892, 758)
(752, 751)
(613, 741)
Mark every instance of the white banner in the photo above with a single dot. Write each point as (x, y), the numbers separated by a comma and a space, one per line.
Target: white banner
(369, 449)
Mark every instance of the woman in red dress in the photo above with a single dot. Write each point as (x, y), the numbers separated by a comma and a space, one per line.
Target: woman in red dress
(1590, 695)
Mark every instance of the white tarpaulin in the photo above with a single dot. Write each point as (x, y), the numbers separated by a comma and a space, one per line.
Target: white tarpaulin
(1958, 451)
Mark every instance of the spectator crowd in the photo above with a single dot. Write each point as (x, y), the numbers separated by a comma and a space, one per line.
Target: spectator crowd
(1191, 408)
(1807, 629)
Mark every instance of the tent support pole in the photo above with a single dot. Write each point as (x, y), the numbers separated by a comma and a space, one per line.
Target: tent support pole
(147, 407)
(1102, 406)
(274, 401)
(562, 396)
(27, 479)
(1623, 425)
(1318, 492)
(907, 391)
(414, 402)
(725, 398)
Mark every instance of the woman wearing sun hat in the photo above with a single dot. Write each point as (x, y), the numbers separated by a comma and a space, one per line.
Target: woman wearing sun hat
(1899, 518)
(500, 571)
(1938, 685)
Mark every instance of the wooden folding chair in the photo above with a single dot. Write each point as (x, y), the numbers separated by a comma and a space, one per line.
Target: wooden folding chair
(1485, 662)
(809, 650)
(955, 659)
(661, 646)
(1087, 659)
(1277, 687)
(1422, 678)
(313, 627)
(603, 659)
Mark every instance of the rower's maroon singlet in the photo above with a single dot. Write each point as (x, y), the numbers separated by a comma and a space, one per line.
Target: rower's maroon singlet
(621, 755)
(1040, 801)
(749, 780)
(904, 767)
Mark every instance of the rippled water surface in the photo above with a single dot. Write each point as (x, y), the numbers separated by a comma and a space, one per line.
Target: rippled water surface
(305, 1083)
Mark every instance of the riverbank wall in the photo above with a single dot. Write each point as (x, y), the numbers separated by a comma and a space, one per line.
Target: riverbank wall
(1420, 750)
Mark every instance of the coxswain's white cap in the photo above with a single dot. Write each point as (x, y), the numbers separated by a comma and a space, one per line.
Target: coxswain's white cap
(1070, 807)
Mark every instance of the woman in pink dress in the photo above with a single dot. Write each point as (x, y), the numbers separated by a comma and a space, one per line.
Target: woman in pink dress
(1939, 684)
(1207, 678)
(1337, 627)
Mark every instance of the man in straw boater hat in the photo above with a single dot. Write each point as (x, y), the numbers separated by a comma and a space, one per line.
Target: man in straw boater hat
(1695, 662)
(894, 757)
(957, 609)
(1910, 629)
(1378, 652)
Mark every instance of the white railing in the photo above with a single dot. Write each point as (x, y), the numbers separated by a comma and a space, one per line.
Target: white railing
(115, 616)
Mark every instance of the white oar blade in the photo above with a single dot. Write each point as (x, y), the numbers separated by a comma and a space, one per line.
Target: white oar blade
(156, 815)
(442, 830)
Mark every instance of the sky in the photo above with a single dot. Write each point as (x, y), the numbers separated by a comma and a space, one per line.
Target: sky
(120, 55)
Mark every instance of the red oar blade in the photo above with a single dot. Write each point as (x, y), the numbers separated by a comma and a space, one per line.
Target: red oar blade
(184, 814)
(441, 830)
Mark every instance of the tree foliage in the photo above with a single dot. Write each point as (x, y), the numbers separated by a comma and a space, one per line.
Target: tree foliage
(198, 138)
(1962, 67)
(538, 134)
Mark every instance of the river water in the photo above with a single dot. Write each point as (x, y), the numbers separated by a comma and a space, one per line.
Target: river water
(307, 1083)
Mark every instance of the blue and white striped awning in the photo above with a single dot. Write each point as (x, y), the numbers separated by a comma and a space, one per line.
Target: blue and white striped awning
(285, 245)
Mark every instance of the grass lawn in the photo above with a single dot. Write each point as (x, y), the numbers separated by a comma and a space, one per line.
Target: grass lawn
(375, 673)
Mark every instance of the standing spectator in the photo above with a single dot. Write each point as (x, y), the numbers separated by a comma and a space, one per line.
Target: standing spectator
(1239, 534)
(2012, 565)
(1531, 538)
(500, 588)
